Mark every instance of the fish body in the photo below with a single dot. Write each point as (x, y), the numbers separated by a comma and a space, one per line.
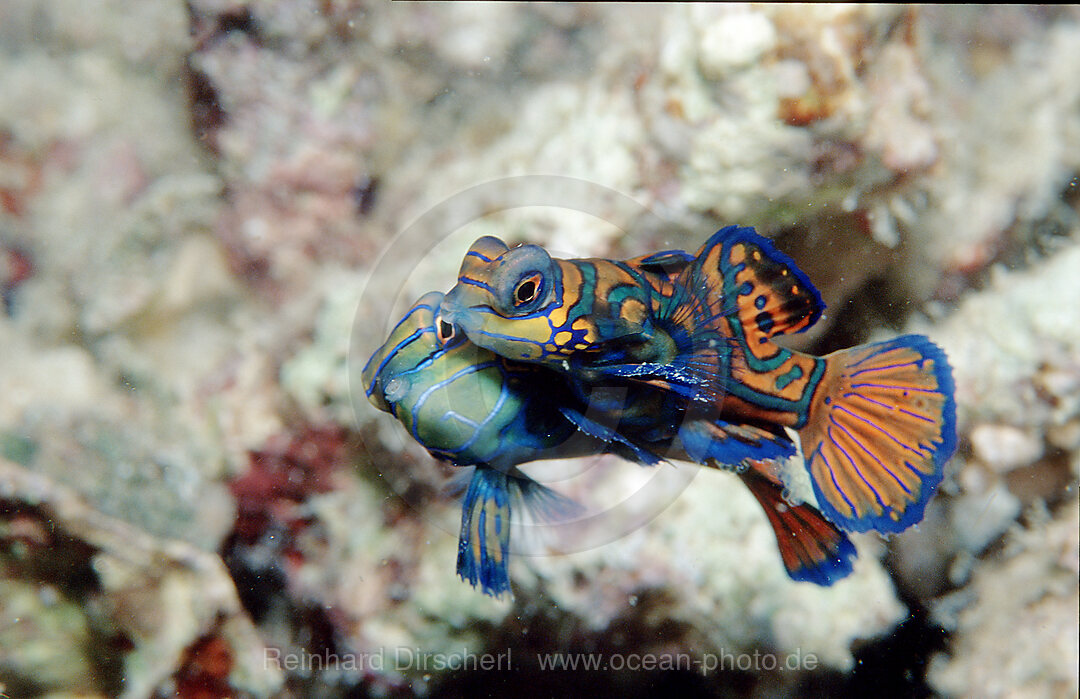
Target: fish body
(876, 422)
(469, 406)
(592, 318)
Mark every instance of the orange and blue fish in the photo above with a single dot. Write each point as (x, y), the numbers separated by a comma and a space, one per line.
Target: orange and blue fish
(471, 407)
(595, 319)
(876, 423)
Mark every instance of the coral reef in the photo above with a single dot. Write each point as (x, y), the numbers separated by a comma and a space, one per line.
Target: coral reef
(1016, 628)
(210, 210)
(94, 604)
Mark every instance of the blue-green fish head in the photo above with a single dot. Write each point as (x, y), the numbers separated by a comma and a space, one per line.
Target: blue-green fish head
(469, 407)
(459, 401)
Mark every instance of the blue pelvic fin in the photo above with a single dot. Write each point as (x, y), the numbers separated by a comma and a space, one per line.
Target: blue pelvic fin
(812, 548)
(610, 436)
(484, 541)
(725, 444)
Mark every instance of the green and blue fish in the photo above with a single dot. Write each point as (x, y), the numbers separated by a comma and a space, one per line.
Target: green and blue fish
(471, 407)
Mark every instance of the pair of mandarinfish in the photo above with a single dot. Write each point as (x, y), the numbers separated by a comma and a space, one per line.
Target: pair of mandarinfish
(518, 362)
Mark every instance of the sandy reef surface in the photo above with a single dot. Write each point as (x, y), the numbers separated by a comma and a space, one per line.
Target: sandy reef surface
(212, 210)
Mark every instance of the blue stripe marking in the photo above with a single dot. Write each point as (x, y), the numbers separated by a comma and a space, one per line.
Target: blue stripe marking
(454, 415)
(439, 385)
(885, 347)
(916, 416)
(500, 336)
(870, 453)
(503, 397)
(393, 330)
(909, 413)
(426, 362)
(397, 348)
(540, 313)
(885, 367)
(849, 394)
(889, 387)
(855, 467)
(879, 428)
(832, 476)
(473, 282)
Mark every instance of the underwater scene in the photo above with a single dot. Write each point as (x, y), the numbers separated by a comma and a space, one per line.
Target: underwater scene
(366, 349)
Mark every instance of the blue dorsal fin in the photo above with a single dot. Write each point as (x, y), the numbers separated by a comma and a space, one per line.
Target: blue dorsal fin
(738, 288)
(769, 293)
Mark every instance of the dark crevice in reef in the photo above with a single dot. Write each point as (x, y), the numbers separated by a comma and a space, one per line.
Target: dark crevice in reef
(896, 664)
(60, 565)
(891, 666)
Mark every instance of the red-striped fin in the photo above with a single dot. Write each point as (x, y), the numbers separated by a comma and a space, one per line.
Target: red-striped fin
(812, 548)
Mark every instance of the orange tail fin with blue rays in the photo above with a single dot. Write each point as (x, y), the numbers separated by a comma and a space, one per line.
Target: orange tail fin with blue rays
(881, 425)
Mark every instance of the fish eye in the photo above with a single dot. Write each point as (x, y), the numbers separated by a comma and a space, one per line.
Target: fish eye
(527, 289)
(522, 281)
(444, 331)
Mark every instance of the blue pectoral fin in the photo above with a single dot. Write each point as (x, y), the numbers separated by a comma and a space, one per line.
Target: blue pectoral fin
(610, 436)
(458, 482)
(731, 444)
(484, 541)
(541, 502)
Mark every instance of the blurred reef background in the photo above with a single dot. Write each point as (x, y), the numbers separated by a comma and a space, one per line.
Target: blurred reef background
(194, 196)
